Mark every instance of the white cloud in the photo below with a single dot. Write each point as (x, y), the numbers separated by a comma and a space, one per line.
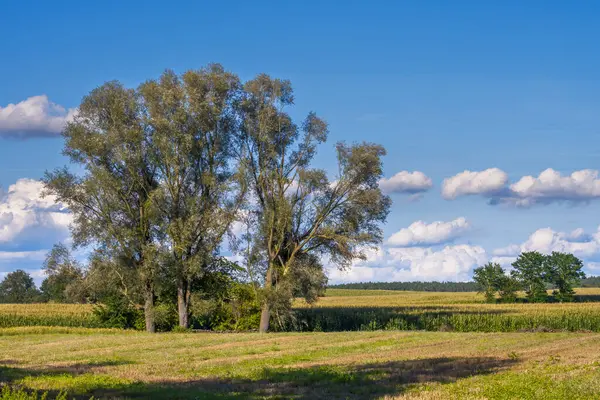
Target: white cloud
(486, 182)
(549, 187)
(35, 117)
(25, 214)
(36, 255)
(406, 182)
(547, 240)
(420, 233)
(452, 263)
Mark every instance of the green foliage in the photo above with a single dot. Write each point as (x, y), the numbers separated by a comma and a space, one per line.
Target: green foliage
(165, 317)
(529, 269)
(507, 288)
(563, 271)
(490, 278)
(110, 201)
(117, 312)
(298, 209)
(237, 309)
(64, 283)
(18, 287)
(8, 393)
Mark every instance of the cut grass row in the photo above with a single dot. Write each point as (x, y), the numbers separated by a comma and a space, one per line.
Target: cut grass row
(362, 365)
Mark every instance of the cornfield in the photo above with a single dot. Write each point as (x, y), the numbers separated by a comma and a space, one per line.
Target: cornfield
(354, 310)
(461, 312)
(47, 314)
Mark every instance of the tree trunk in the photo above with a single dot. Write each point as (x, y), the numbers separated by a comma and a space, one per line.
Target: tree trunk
(265, 314)
(149, 309)
(183, 303)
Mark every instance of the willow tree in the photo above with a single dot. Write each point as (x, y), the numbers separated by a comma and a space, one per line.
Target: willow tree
(110, 194)
(300, 210)
(191, 120)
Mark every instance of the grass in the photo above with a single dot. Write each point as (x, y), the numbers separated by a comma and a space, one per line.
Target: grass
(341, 365)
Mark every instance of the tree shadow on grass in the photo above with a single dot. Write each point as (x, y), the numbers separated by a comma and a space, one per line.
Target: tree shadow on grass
(359, 381)
(10, 372)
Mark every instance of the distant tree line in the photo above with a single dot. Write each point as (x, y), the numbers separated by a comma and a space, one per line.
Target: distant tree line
(412, 286)
(493, 277)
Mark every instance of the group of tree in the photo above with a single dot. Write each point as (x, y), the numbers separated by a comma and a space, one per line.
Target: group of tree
(534, 273)
(166, 170)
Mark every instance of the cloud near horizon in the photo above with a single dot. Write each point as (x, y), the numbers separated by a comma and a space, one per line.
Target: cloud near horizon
(36, 116)
(420, 233)
(547, 240)
(451, 263)
(26, 216)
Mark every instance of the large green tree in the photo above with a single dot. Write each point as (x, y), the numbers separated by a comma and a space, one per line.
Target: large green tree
(110, 193)
(300, 210)
(191, 121)
(563, 270)
(18, 287)
(529, 270)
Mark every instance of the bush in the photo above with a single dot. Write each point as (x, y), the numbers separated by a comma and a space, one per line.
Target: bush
(238, 310)
(165, 317)
(117, 312)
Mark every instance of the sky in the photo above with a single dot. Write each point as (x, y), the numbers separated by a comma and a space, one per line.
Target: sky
(489, 112)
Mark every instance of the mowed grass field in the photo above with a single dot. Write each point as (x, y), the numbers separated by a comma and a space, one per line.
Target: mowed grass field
(342, 365)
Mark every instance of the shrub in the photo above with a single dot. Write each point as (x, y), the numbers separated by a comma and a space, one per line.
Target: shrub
(117, 312)
(238, 310)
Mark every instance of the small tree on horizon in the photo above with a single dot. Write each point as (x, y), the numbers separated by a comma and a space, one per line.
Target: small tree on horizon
(490, 279)
(563, 270)
(63, 273)
(529, 270)
(18, 287)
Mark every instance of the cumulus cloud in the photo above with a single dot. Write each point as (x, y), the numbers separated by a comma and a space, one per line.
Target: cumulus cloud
(452, 263)
(10, 256)
(548, 187)
(551, 186)
(486, 183)
(36, 116)
(420, 233)
(546, 240)
(26, 215)
(406, 182)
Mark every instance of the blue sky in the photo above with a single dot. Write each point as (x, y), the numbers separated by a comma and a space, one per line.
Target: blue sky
(445, 86)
